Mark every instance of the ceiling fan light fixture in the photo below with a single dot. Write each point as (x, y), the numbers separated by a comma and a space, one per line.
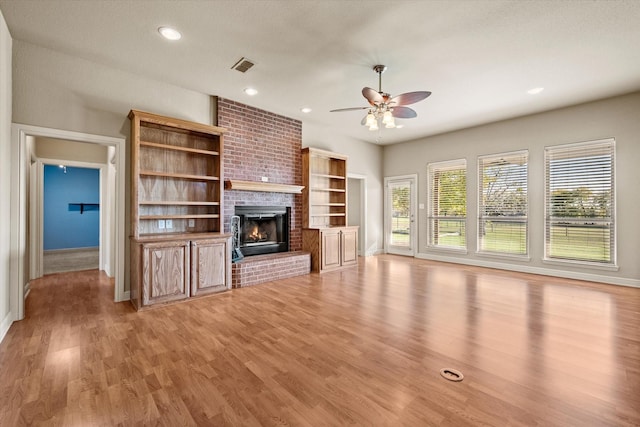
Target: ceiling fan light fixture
(387, 117)
(374, 126)
(371, 120)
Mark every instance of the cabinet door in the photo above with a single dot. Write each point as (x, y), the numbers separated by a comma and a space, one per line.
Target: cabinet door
(210, 266)
(165, 272)
(330, 249)
(349, 245)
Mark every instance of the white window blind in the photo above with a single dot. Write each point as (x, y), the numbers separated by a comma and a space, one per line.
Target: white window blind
(502, 203)
(580, 202)
(447, 204)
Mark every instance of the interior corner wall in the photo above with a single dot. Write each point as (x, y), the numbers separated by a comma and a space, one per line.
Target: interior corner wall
(5, 176)
(364, 159)
(613, 117)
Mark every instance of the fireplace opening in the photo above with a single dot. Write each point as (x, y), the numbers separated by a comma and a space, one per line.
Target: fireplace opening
(263, 229)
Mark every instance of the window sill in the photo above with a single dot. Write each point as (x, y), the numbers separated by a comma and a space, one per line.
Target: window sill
(584, 264)
(512, 257)
(448, 249)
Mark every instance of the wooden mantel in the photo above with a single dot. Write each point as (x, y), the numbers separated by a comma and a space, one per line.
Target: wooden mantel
(232, 184)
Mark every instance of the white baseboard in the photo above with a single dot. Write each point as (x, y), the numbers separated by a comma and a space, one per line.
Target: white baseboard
(5, 325)
(620, 281)
(372, 252)
(124, 296)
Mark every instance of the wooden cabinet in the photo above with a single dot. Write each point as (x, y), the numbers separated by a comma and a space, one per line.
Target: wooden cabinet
(165, 272)
(178, 250)
(331, 247)
(210, 261)
(324, 211)
(349, 246)
(164, 269)
(324, 197)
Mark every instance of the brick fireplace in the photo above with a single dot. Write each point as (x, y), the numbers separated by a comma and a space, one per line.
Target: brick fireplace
(262, 144)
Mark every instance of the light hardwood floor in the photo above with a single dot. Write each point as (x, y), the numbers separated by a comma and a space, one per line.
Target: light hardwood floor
(362, 346)
(59, 261)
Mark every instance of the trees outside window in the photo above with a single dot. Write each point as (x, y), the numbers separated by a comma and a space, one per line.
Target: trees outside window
(580, 202)
(447, 204)
(502, 203)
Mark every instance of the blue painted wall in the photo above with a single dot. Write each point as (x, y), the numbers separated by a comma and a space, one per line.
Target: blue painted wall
(64, 226)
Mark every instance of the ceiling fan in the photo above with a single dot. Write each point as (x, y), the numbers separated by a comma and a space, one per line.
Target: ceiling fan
(385, 108)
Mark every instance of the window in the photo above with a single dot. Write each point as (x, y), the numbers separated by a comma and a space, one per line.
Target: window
(502, 203)
(447, 204)
(580, 202)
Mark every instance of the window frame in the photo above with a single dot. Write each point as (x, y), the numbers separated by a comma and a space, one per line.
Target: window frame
(606, 144)
(480, 198)
(442, 166)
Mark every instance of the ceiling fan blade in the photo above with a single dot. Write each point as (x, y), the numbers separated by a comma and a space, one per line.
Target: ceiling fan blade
(409, 97)
(372, 96)
(363, 121)
(348, 109)
(403, 113)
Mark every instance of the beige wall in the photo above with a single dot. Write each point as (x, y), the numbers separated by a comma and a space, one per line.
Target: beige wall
(5, 175)
(617, 117)
(51, 148)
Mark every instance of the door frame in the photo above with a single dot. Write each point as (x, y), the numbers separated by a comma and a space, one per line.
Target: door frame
(22, 137)
(362, 232)
(413, 232)
(36, 212)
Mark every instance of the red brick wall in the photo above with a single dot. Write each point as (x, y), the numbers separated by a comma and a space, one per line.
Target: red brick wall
(259, 143)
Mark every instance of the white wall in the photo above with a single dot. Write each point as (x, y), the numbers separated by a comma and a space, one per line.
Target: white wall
(5, 176)
(364, 159)
(617, 117)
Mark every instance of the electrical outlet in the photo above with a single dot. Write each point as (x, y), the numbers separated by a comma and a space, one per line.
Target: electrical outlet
(161, 224)
(169, 223)
(192, 223)
(265, 179)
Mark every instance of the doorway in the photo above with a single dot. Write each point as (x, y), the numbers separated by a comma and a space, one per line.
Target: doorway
(399, 215)
(71, 237)
(23, 171)
(357, 208)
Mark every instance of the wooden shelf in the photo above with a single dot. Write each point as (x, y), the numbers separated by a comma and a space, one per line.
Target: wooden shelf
(187, 216)
(176, 173)
(168, 203)
(335, 190)
(178, 148)
(324, 200)
(180, 175)
(262, 186)
(322, 175)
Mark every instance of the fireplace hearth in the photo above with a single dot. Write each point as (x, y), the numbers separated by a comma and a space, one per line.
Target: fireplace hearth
(263, 229)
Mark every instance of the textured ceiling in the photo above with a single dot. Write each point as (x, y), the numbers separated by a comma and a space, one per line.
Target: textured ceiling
(477, 57)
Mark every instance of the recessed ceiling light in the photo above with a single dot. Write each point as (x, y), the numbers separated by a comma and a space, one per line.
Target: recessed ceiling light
(305, 109)
(535, 90)
(170, 33)
(250, 91)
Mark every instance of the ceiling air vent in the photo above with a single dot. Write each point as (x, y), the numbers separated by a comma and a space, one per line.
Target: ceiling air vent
(243, 65)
